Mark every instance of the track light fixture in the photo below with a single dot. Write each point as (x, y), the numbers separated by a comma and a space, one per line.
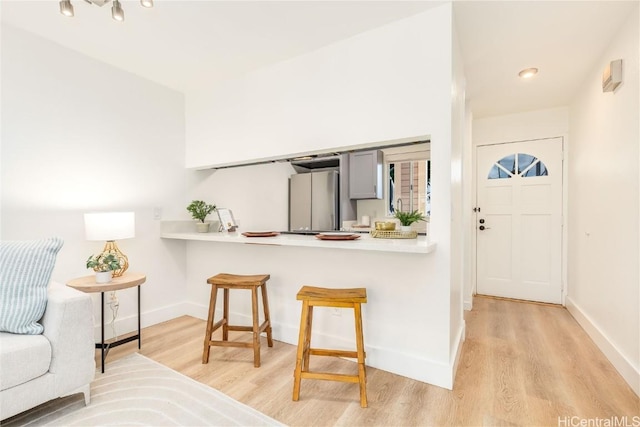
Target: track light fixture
(117, 13)
(66, 8)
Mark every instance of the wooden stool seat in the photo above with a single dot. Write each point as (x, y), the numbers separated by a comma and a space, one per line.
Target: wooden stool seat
(226, 282)
(332, 296)
(326, 297)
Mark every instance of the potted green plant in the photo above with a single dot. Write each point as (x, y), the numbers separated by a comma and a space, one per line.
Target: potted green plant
(104, 265)
(199, 210)
(408, 218)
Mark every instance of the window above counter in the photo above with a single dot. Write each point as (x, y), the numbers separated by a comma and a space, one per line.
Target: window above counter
(409, 186)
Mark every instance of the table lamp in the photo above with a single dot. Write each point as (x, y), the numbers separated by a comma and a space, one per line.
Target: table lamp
(111, 226)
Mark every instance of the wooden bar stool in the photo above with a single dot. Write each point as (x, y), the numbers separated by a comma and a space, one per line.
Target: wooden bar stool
(235, 281)
(348, 298)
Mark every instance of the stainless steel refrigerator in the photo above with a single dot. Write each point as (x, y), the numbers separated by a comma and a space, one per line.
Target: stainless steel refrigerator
(314, 201)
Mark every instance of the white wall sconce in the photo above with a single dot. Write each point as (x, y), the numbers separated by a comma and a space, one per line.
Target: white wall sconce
(612, 76)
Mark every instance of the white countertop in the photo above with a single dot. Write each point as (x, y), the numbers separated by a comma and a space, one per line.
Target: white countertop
(420, 245)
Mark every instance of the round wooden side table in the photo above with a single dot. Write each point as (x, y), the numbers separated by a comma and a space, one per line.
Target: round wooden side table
(128, 280)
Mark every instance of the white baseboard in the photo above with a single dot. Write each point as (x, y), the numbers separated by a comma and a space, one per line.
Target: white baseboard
(128, 324)
(456, 352)
(624, 366)
(468, 304)
(198, 311)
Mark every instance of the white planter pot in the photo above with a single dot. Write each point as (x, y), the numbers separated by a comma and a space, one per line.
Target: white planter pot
(202, 227)
(104, 276)
(405, 228)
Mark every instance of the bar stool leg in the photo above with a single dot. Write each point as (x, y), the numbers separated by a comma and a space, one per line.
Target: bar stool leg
(225, 316)
(256, 327)
(267, 316)
(209, 332)
(301, 339)
(307, 341)
(362, 376)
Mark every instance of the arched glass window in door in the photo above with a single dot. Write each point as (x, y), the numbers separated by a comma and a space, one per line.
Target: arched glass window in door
(520, 164)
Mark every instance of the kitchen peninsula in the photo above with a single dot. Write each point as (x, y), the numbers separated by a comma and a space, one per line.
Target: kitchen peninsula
(420, 245)
(406, 302)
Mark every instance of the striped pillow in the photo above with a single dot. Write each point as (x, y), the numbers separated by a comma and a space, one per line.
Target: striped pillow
(25, 270)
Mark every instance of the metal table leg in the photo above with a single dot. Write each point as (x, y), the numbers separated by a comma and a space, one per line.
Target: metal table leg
(104, 348)
(102, 327)
(139, 334)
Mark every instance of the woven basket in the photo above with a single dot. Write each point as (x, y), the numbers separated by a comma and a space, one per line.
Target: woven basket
(380, 234)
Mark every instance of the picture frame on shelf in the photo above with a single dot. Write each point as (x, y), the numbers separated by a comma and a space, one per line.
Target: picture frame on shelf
(227, 222)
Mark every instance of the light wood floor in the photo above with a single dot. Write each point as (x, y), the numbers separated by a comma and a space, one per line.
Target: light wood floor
(522, 364)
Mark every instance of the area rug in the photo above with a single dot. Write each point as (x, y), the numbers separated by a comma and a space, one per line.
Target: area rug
(136, 390)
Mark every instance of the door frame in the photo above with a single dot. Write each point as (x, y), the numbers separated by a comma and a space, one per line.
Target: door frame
(474, 215)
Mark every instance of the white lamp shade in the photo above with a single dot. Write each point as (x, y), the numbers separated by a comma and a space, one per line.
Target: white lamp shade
(109, 225)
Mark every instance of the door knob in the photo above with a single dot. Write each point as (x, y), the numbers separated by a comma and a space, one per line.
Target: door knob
(482, 227)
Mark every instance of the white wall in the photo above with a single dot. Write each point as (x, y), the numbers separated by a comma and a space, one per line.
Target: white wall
(80, 136)
(458, 88)
(384, 84)
(539, 124)
(603, 290)
(468, 202)
(391, 82)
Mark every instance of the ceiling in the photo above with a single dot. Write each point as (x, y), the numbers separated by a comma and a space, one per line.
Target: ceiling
(181, 44)
(563, 39)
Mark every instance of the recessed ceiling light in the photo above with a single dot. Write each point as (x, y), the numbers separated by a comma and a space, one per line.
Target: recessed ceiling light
(527, 73)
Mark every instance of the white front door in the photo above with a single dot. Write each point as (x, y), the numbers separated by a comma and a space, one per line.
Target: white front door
(519, 220)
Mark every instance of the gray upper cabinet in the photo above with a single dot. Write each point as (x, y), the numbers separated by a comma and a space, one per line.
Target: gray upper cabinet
(365, 175)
